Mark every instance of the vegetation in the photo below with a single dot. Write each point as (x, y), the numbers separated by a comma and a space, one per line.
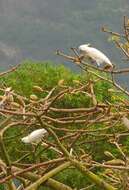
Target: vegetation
(34, 29)
(86, 119)
(46, 75)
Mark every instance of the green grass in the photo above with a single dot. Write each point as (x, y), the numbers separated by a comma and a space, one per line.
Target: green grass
(44, 74)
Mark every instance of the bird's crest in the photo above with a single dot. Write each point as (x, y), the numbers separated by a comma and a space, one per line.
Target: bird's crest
(89, 45)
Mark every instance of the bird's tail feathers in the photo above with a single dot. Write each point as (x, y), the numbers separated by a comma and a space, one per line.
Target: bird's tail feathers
(108, 67)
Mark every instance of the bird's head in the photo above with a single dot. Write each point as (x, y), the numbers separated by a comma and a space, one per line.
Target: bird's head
(25, 140)
(84, 47)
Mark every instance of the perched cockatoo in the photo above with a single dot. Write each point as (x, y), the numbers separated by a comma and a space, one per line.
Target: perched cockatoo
(95, 55)
(35, 136)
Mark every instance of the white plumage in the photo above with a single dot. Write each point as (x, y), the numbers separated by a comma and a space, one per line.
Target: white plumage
(35, 136)
(95, 55)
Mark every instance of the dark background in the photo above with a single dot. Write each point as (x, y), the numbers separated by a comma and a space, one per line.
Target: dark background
(34, 29)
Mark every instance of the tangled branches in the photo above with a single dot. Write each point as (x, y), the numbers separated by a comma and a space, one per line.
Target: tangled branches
(75, 133)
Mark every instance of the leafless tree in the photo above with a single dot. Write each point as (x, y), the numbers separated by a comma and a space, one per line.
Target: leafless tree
(69, 129)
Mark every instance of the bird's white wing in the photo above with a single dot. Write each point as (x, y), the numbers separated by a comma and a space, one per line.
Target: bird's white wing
(35, 136)
(98, 56)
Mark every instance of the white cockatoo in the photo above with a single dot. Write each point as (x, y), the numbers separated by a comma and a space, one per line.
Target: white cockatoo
(95, 55)
(35, 136)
